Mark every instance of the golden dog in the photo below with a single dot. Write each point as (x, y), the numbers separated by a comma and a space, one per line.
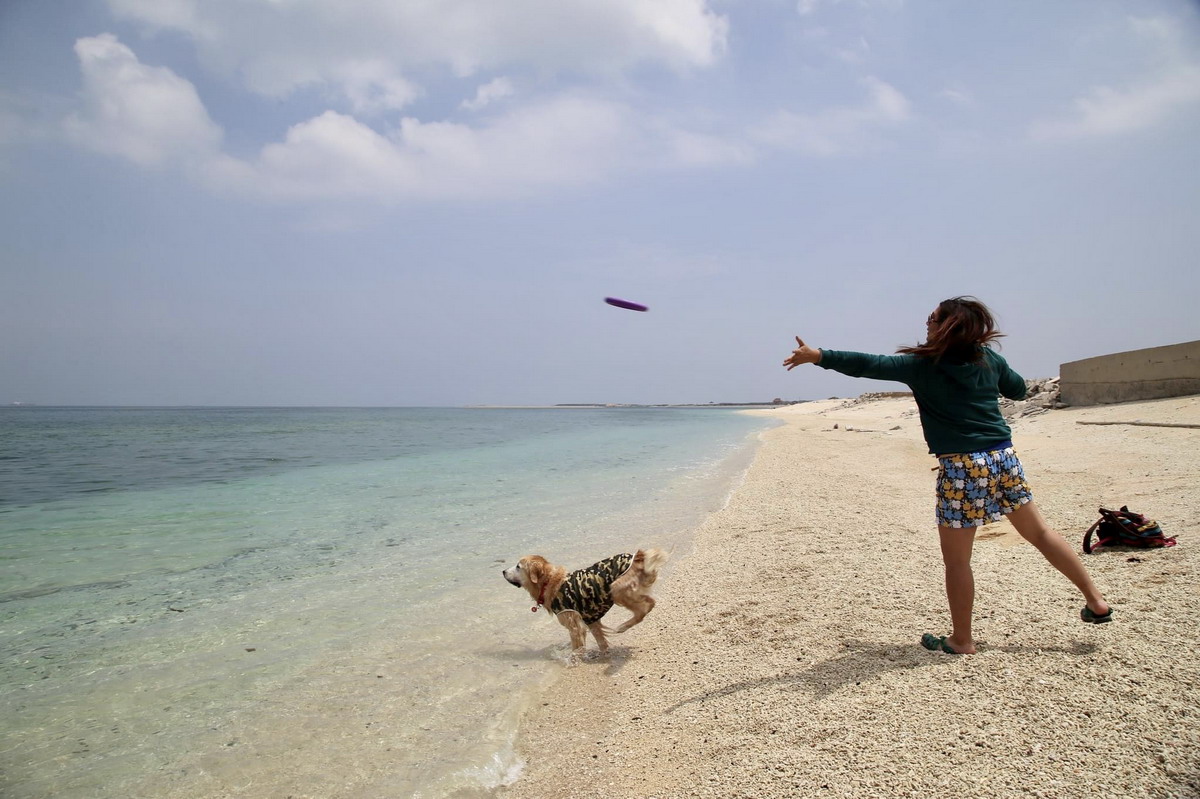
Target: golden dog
(581, 598)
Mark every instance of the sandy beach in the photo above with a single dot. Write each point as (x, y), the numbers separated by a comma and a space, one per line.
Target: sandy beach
(783, 657)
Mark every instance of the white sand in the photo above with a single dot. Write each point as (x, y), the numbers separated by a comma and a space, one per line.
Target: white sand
(783, 657)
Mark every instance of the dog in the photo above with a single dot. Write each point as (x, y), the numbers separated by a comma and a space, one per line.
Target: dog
(580, 599)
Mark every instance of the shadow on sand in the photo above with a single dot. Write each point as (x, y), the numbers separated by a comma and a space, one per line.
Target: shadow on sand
(865, 660)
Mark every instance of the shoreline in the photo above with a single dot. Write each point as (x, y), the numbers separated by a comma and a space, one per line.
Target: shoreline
(783, 657)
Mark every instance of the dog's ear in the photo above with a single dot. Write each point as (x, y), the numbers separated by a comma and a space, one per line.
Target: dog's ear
(535, 567)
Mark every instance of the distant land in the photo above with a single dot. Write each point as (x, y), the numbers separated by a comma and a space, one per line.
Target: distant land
(771, 404)
(776, 403)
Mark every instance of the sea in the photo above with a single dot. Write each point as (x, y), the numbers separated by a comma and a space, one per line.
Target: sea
(200, 602)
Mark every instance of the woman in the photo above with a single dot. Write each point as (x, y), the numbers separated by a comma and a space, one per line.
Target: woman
(956, 379)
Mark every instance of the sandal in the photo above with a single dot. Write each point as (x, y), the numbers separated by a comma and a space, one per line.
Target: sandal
(935, 643)
(1093, 618)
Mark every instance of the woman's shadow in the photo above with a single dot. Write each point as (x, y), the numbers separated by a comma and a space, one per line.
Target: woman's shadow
(863, 661)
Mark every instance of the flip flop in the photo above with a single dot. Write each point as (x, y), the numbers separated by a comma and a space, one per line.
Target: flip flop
(1092, 618)
(935, 643)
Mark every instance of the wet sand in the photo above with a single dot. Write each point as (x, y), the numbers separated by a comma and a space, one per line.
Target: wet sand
(783, 657)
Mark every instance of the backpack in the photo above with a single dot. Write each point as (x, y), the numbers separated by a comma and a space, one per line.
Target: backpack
(1125, 528)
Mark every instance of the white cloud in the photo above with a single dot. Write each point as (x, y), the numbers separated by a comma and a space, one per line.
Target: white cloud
(1111, 111)
(1161, 33)
(147, 114)
(488, 93)
(373, 87)
(685, 32)
(958, 95)
(807, 8)
(856, 53)
(1105, 111)
(838, 131)
(276, 48)
(153, 117)
(690, 149)
(561, 141)
(329, 155)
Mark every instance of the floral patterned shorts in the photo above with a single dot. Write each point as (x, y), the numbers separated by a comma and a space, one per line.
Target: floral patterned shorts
(975, 488)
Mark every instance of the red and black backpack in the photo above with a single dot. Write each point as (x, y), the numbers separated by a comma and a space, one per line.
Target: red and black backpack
(1125, 528)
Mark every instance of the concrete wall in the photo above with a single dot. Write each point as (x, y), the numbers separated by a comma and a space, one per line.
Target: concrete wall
(1171, 371)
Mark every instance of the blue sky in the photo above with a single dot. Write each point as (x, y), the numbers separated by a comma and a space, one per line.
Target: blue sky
(391, 202)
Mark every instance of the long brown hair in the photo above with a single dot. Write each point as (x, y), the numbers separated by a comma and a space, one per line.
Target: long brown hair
(963, 326)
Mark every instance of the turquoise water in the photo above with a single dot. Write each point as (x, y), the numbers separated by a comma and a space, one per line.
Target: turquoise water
(261, 602)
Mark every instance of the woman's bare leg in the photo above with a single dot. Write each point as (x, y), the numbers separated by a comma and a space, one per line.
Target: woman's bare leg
(957, 544)
(1033, 528)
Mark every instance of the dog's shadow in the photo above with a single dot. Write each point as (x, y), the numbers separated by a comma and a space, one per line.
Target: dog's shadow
(864, 661)
(514, 653)
(613, 662)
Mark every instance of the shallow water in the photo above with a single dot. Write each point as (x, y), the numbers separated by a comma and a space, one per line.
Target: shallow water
(265, 601)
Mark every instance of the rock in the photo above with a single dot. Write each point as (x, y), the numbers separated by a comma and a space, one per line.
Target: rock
(1041, 395)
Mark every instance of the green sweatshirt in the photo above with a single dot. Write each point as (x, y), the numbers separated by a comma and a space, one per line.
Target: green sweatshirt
(958, 401)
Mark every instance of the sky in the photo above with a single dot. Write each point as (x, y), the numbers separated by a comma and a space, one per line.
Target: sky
(407, 202)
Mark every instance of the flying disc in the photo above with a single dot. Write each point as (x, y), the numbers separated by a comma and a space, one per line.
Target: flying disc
(631, 306)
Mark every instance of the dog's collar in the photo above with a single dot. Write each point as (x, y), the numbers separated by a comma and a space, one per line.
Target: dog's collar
(541, 601)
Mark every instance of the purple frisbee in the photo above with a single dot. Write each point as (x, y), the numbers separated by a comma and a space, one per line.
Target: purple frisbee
(626, 304)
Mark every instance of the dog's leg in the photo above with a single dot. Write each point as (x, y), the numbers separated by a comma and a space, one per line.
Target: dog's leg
(638, 604)
(578, 630)
(597, 631)
(631, 591)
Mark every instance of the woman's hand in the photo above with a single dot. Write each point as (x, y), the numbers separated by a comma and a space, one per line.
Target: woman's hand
(802, 354)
